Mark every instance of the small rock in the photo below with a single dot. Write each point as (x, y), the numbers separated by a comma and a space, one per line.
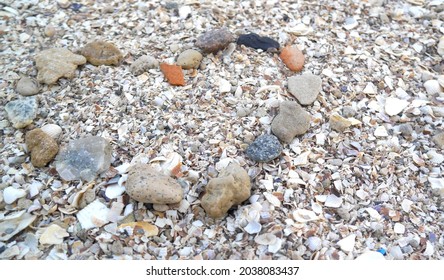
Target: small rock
(439, 140)
(170, 5)
(117, 248)
(56, 63)
(305, 87)
(50, 30)
(102, 53)
(265, 148)
(146, 184)
(293, 58)
(230, 188)
(84, 158)
(53, 235)
(406, 130)
(437, 185)
(11, 194)
(214, 40)
(27, 86)
(255, 41)
(64, 3)
(189, 59)
(339, 123)
(22, 112)
(394, 106)
(348, 112)
(173, 74)
(291, 121)
(143, 64)
(43, 147)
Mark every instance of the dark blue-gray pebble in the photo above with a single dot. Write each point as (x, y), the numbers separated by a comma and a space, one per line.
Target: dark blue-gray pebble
(265, 148)
(255, 41)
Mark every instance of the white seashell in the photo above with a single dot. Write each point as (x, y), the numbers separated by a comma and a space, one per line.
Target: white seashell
(333, 201)
(441, 46)
(183, 206)
(93, 215)
(380, 131)
(303, 216)
(14, 223)
(114, 212)
(429, 249)
(224, 85)
(347, 244)
(76, 198)
(265, 239)
(432, 87)
(406, 205)
(302, 159)
(373, 214)
(370, 88)
(370, 256)
(114, 191)
(437, 185)
(11, 194)
(34, 188)
(435, 157)
(399, 228)
(394, 106)
(52, 130)
(223, 163)
(172, 165)
(53, 235)
(115, 100)
(276, 246)
(123, 168)
(396, 253)
(314, 243)
(299, 29)
(272, 199)
(253, 227)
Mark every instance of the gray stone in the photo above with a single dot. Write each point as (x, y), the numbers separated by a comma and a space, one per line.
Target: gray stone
(27, 86)
(305, 87)
(348, 112)
(406, 130)
(291, 121)
(22, 112)
(189, 59)
(265, 148)
(84, 158)
(214, 40)
(143, 64)
(439, 140)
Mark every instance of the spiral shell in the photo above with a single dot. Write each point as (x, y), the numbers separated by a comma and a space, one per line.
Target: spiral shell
(432, 86)
(52, 130)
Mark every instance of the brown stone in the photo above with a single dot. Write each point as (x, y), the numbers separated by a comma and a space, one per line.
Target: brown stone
(293, 58)
(173, 74)
(43, 147)
(102, 53)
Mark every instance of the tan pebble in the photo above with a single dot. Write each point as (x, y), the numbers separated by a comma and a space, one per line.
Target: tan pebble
(43, 147)
(102, 53)
(50, 30)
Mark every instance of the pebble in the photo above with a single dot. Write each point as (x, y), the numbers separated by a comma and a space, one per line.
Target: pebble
(348, 112)
(143, 64)
(117, 248)
(291, 121)
(189, 59)
(53, 235)
(256, 41)
(11, 194)
(84, 158)
(64, 3)
(406, 130)
(21, 112)
(173, 74)
(146, 184)
(432, 87)
(394, 106)
(230, 188)
(215, 40)
(42, 146)
(27, 86)
(439, 140)
(55, 63)
(293, 58)
(102, 53)
(50, 30)
(305, 87)
(339, 123)
(265, 148)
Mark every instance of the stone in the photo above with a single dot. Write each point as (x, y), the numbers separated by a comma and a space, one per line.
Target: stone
(50, 30)
(53, 235)
(394, 106)
(214, 40)
(64, 3)
(42, 146)
(148, 185)
(230, 188)
(291, 121)
(348, 112)
(339, 123)
(27, 86)
(406, 130)
(189, 59)
(102, 53)
(265, 148)
(173, 74)
(255, 41)
(55, 63)
(84, 158)
(439, 140)
(143, 64)
(305, 88)
(21, 112)
(293, 58)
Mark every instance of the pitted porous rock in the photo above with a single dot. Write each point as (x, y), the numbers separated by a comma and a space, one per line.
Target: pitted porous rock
(42, 146)
(102, 53)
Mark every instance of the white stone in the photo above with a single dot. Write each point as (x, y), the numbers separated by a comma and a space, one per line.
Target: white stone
(348, 243)
(399, 228)
(114, 191)
(394, 106)
(11, 194)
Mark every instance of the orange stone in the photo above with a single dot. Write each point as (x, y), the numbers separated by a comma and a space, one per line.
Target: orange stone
(293, 58)
(173, 74)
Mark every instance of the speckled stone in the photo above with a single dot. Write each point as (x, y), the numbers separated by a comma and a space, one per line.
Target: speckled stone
(291, 121)
(214, 40)
(22, 112)
(102, 53)
(43, 147)
(305, 87)
(146, 184)
(143, 64)
(265, 148)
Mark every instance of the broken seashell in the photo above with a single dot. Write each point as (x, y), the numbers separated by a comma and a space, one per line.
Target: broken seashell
(394, 106)
(265, 239)
(140, 228)
(52, 130)
(276, 246)
(53, 235)
(253, 227)
(432, 87)
(437, 185)
(333, 201)
(114, 191)
(314, 243)
(93, 215)
(11, 194)
(272, 199)
(370, 256)
(406, 205)
(348, 243)
(399, 228)
(183, 206)
(76, 199)
(14, 223)
(303, 216)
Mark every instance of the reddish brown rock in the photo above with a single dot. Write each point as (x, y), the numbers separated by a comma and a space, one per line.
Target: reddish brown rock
(173, 74)
(293, 58)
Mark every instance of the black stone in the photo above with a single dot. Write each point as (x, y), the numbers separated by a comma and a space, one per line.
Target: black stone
(255, 41)
(265, 148)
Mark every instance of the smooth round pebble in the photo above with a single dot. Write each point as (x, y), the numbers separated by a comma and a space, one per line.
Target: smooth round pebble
(27, 86)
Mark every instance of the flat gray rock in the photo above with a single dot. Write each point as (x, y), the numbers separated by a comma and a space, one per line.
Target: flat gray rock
(305, 88)
(22, 112)
(265, 148)
(291, 121)
(84, 158)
